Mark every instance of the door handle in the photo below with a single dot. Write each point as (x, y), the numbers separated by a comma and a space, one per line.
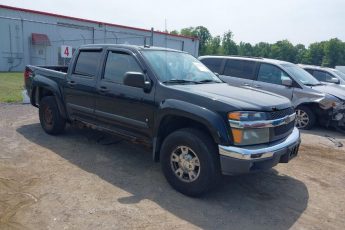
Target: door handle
(246, 84)
(257, 86)
(71, 83)
(103, 89)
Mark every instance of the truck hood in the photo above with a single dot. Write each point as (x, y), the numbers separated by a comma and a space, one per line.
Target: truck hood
(332, 89)
(244, 98)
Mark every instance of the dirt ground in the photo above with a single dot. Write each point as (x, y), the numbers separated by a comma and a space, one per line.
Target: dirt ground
(87, 180)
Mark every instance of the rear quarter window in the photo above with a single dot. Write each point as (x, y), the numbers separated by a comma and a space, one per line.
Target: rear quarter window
(87, 63)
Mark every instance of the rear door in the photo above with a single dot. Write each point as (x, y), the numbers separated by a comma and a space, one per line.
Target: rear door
(214, 64)
(239, 72)
(80, 85)
(270, 78)
(121, 108)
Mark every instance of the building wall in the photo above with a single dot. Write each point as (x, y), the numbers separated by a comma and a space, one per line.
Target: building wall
(17, 26)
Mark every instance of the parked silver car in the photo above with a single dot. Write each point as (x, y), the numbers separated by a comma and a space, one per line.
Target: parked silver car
(324, 74)
(314, 101)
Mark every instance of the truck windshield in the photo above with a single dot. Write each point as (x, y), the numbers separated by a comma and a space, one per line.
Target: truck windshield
(339, 74)
(179, 68)
(300, 74)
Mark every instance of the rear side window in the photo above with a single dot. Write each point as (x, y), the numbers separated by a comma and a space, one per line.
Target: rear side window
(322, 76)
(118, 64)
(271, 74)
(240, 69)
(87, 63)
(214, 64)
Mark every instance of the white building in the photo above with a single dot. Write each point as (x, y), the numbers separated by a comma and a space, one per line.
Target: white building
(34, 37)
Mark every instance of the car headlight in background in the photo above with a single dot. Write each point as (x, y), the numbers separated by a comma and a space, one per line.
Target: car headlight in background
(248, 136)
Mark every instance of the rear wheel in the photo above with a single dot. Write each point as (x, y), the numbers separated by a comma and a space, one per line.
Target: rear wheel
(305, 118)
(190, 162)
(51, 120)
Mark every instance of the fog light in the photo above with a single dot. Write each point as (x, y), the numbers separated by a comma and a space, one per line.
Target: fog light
(338, 116)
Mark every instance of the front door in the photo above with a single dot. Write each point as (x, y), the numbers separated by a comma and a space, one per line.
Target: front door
(122, 108)
(270, 79)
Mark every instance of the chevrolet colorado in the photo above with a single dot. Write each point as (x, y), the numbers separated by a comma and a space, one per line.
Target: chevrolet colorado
(197, 126)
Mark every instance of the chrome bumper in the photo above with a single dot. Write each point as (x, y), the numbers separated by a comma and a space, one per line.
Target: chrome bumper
(260, 151)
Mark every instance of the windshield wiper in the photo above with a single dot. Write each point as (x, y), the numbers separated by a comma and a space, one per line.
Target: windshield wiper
(177, 81)
(308, 84)
(208, 80)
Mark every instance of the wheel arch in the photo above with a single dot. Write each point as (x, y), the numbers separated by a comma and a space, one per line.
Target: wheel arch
(175, 115)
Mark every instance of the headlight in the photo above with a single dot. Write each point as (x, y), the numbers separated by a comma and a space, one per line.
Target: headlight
(248, 136)
(338, 105)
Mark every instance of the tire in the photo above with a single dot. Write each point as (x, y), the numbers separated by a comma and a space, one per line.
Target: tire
(190, 143)
(51, 120)
(305, 118)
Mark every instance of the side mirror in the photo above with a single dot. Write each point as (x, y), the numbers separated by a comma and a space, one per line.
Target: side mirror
(334, 80)
(136, 79)
(287, 82)
(217, 74)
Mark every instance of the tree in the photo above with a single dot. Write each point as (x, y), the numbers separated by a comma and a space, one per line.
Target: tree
(228, 44)
(283, 50)
(300, 53)
(333, 53)
(314, 54)
(203, 35)
(175, 32)
(262, 49)
(189, 31)
(214, 46)
(245, 49)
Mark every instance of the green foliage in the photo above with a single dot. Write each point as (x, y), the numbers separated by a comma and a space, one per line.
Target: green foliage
(228, 44)
(326, 53)
(11, 86)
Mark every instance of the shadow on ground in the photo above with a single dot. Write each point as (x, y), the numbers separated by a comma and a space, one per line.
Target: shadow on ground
(257, 201)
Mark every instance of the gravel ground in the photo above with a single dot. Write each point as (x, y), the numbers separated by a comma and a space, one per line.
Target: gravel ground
(88, 180)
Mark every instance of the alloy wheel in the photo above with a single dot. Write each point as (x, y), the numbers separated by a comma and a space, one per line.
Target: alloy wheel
(302, 119)
(185, 164)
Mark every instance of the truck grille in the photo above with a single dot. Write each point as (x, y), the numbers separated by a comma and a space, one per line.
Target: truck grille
(281, 131)
(284, 129)
(281, 113)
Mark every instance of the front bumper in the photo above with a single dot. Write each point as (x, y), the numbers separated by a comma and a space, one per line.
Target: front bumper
(238, 160)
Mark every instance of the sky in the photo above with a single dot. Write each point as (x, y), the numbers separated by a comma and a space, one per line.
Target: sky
(300, 21)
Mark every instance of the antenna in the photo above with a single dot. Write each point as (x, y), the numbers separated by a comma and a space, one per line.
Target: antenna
(166, 33)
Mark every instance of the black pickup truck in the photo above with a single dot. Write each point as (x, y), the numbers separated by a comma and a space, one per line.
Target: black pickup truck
(197, 126)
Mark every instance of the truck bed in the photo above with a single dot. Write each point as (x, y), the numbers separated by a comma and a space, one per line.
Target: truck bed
(55, 73)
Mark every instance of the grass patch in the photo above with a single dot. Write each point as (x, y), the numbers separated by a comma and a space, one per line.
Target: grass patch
(11, 86)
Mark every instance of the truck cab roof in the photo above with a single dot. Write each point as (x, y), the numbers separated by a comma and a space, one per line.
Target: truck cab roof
(128, 46)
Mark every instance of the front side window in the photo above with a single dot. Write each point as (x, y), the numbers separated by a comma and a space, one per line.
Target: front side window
(271, 74)
(339, 73)
(300, 74)
(322, 76)
(240, 69)
(117, 65)
(87, 63)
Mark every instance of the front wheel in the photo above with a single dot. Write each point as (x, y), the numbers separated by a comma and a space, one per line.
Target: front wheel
(51, 120)
(305, 118)
(190, 162)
